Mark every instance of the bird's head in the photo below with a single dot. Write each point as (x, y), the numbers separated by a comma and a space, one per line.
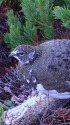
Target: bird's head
(25, 54)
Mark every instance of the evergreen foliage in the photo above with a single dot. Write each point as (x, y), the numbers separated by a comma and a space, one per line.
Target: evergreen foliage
(1, 113)
(67, 2)
(39, 18)
(1, 1)
(39, 13)
(15, 37)
(18, 34)
(63, 14)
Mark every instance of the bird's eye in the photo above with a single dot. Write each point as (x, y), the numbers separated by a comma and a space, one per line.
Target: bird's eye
(21, 53)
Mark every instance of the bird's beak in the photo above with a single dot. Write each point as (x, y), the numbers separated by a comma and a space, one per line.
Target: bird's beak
(11, 55)
(13, 58)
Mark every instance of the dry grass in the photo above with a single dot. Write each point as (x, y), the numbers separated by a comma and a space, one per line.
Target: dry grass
(56, 117)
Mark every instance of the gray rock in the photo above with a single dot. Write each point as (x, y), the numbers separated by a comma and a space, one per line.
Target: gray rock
(47, 64)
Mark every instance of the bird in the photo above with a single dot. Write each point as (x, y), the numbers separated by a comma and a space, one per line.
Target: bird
(46, 66)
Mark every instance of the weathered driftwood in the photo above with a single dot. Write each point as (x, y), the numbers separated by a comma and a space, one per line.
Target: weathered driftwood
(28, 111)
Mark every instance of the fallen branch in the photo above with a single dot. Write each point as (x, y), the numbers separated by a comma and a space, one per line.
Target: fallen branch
(28, 110)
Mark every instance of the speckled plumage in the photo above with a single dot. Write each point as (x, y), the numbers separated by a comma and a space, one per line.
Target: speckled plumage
(47, 64)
